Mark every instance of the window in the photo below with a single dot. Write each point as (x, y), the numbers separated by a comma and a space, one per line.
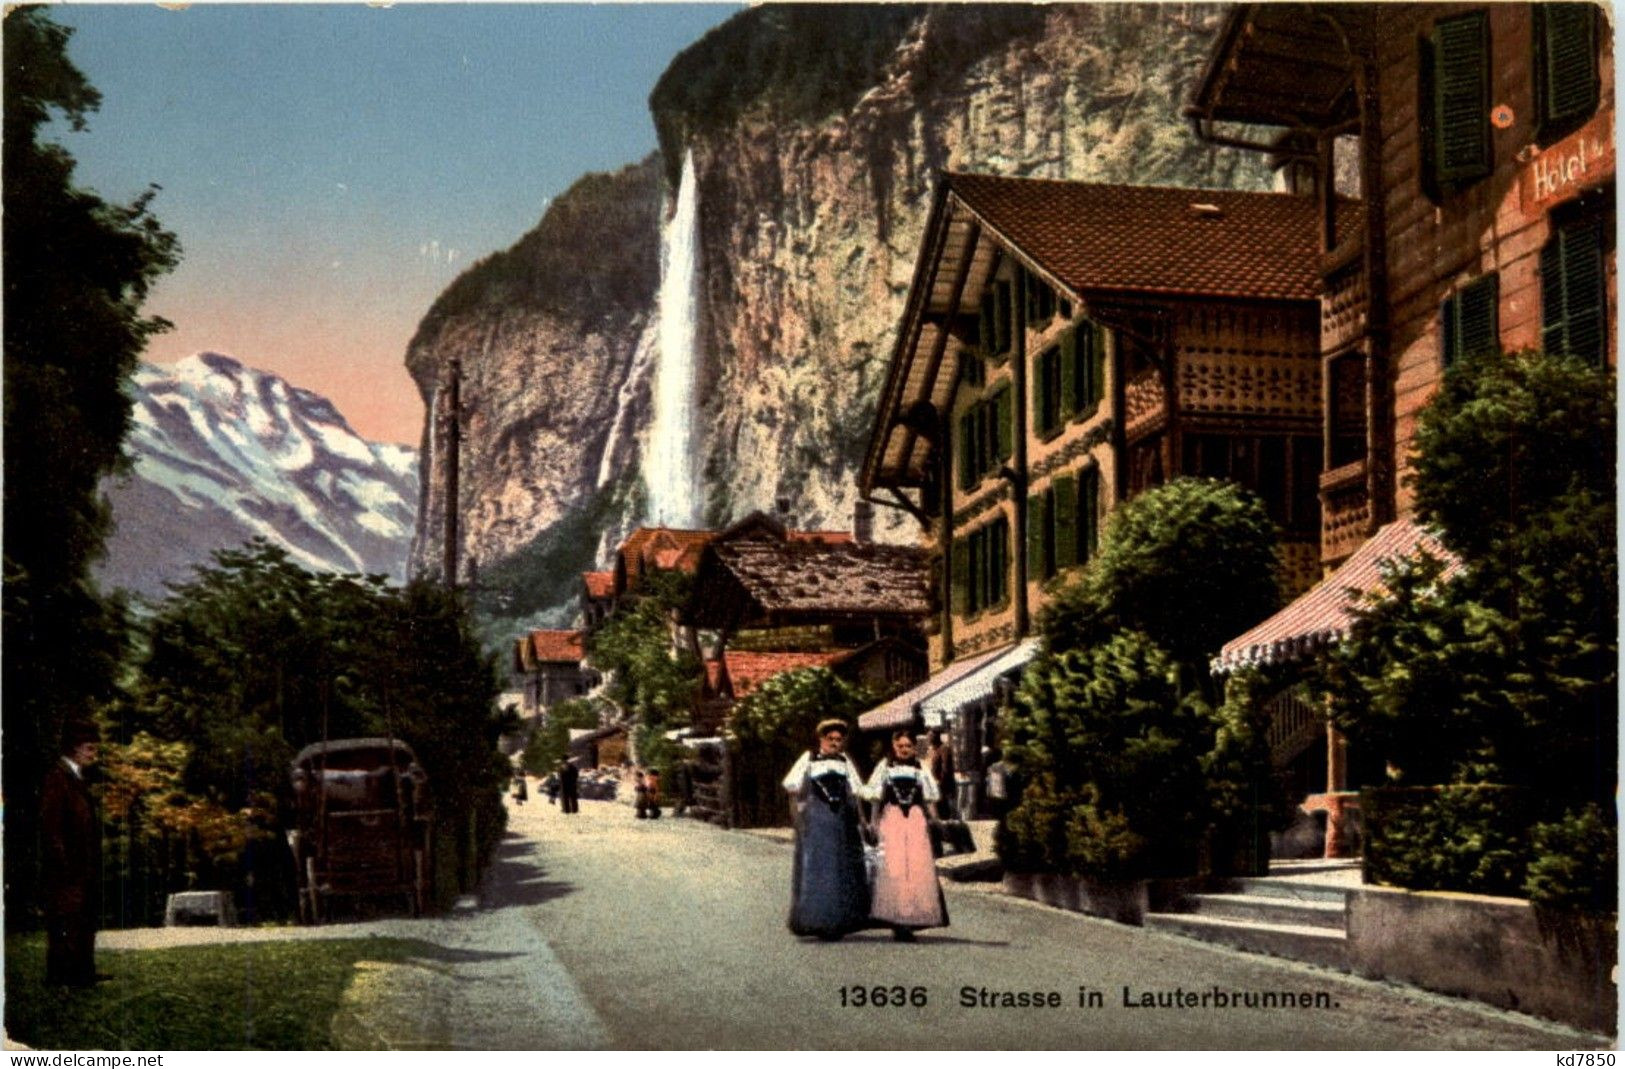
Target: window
(982, 568)
(1454, 102)
(1574, 308)
(1040, 300)
(1069, 379)
(994, 327)
(1469, 321)
(986, 436)
(1566, 83)
(1063, 523)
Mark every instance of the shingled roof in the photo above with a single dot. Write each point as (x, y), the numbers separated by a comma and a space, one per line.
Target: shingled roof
(599, 584)
(823, 579)
(1157, 239)
(555, 647)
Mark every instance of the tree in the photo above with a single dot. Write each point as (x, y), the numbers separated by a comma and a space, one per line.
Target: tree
(77, 270)
(1508, 673)
(647, 679)
(773, 725)
(255, 658)
(1127, 755)
(551, 742)
(1191, 564)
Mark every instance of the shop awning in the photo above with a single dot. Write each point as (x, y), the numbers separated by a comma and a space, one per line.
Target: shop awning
(1321, 616)
(899, 711)
(978, 685)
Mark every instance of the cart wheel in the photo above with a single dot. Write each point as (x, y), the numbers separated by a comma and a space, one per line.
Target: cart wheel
(313, 892)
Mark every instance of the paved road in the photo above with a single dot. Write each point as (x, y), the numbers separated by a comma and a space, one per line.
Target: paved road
(600, 930)
(674, 931)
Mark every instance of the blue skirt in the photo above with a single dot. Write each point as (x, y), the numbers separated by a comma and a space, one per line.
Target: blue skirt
(829, 886)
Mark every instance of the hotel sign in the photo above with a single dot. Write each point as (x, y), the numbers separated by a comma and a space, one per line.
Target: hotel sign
(1582, 161)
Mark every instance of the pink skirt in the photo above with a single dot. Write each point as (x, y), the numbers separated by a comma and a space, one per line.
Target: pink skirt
(906, 893)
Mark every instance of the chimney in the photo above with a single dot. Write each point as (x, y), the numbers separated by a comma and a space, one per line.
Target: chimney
(863, 523)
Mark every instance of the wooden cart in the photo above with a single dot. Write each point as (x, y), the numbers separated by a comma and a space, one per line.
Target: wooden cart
(362, 824)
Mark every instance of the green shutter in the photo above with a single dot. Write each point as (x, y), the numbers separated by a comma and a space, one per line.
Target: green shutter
(1566, 65)
(1037, 521)
(1066, 521)
(1088, 514)
(1573, 306)
(1095, 359)
(1041, 390)
(1004, 416)
(1461, 98)
(1003, 294)
(986, 333)
(1069, 374)
(967, 451)
(960, 580)
(1470, 320)
(1001, 561)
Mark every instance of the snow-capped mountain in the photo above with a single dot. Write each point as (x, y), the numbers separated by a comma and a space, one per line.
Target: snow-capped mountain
(222, 453)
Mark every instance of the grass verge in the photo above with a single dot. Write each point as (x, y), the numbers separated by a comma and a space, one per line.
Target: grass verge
(243, 996)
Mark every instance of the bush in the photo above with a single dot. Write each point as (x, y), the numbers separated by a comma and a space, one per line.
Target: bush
(1111, 746)
(1574, 862)
(1455, 838)
(773, 726)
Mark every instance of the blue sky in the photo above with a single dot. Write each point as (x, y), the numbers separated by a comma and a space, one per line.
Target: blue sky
(330, 168)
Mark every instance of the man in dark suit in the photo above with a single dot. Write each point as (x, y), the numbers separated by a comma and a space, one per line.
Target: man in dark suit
(71, 831)
(570, 786)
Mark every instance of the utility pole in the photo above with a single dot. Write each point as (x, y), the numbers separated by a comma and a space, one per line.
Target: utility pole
(452, 414)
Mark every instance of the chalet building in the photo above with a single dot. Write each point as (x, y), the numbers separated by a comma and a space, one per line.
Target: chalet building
(597, 599)
(1486, 131)
(1066, 346)
(549, 666)
(770, 599)
(648, 550)
(1479, 140)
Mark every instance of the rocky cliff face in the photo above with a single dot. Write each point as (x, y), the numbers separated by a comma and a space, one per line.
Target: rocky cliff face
(814, 193)
(551, 336)
(816, 131)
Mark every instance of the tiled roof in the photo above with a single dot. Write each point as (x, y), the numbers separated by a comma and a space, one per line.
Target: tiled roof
(553, 647)
(664, 547)
(749, 669)
(1157, 238)
(1321, 616)
(819, 578)
(599, 584)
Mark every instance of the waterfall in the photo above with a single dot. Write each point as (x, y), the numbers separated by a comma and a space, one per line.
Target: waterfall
(670, 467)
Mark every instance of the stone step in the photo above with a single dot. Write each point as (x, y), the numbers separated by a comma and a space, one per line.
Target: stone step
(1271, 909)
(1296, 888)
(1318, 946)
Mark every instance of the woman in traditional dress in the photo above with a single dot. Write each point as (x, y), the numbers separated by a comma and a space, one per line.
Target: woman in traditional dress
(906, 894)
(829, 887)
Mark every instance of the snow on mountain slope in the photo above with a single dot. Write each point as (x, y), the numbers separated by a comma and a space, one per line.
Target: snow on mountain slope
(221, 453)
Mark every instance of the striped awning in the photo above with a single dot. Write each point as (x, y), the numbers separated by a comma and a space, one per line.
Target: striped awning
(900, 711)
(1322, 615)
(978, 685)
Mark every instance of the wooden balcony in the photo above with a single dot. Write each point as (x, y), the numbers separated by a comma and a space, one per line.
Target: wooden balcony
(1345, 511)
(1343, 307)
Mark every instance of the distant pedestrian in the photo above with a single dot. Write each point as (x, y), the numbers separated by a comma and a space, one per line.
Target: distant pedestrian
(941, 761)
(520, 791)
(829, 884)
(569, 787)
(550, 787)
(651, 784)
(640, 794)
(72, 838)
(998, 785)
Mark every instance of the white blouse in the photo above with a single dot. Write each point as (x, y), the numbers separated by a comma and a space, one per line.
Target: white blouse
(884, 771)
(810, 764)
